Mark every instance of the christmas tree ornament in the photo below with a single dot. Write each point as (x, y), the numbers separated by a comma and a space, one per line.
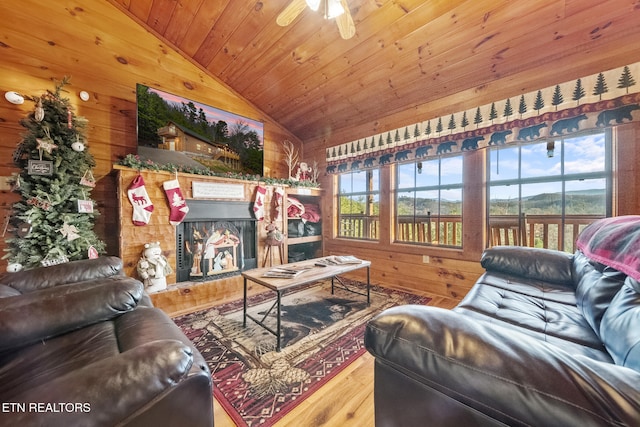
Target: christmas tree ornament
(142, 206)
(88, 179)
(48, 262)
(46, 145)
(69, 119)
(77, 146)
(69, 231)
(14, 267)
(37, 201)
(177, 205)
(92, 253)
(40, 167)
(18, 154)
(24, 228)
(38, 115)
(85, 206)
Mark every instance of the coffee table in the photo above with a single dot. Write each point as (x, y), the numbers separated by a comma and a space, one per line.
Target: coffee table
(279, 285)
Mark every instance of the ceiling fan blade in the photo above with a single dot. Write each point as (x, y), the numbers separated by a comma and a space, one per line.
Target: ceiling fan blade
(291, 12)
(345, 22)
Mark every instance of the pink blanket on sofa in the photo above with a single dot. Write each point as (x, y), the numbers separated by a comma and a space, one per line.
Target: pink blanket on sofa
(614, 242)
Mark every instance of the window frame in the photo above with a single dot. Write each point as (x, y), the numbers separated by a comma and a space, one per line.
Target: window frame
(563, 178)
(367, 227)
(432, 232)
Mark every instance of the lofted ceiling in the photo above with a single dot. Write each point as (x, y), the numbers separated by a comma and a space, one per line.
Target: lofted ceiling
(408, 61)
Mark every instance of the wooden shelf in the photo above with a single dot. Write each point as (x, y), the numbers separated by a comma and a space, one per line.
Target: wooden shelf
(305, 239)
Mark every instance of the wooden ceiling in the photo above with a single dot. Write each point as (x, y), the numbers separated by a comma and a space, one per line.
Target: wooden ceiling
(410, 60)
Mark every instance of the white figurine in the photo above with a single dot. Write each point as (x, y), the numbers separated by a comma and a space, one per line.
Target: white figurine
(153, 267)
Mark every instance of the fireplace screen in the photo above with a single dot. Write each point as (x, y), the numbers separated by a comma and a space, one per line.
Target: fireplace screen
(210, 250)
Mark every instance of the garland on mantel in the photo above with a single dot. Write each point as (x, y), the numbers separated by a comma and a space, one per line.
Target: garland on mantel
(135, 162)
(541, 115)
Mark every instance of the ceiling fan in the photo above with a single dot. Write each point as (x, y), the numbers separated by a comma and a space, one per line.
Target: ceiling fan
(337, 9)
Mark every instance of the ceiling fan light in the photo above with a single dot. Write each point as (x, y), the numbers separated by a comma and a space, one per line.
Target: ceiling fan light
(313, 4)
(334, 9)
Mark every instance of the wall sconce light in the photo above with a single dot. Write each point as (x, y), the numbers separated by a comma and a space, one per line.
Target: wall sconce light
(84, 95)
(419, 166)
(551, 145)
(14, 97)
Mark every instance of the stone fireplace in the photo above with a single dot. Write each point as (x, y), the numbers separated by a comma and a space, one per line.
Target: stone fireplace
(215, 240)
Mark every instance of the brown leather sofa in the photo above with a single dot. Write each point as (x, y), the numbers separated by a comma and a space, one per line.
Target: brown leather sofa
(82, 345)
(544, 338)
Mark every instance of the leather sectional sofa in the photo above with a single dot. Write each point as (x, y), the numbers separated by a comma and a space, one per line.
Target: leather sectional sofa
(544, 338)
(82, 345)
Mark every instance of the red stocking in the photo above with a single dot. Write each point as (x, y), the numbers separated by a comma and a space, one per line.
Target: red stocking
(177, 205)
(258, 203)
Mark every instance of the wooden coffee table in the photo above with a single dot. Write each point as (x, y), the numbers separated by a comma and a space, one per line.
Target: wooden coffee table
(279, 285)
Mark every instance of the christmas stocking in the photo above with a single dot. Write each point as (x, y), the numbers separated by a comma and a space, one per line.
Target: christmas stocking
(142, 206)
(258, 203)
(276, 201)
(177, 204)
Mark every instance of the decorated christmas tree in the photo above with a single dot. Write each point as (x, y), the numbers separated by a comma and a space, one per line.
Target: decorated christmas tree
(54, 221)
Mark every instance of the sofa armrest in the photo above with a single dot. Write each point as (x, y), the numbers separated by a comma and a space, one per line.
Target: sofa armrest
(533, 263)
(36, 316)
(107, 392)
(61, 274)
(501, 372)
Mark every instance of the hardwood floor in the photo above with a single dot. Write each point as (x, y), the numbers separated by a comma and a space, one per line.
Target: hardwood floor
(345, 401)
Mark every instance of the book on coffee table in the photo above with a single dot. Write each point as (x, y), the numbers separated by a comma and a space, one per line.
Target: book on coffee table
(286, 272)
(340, 260)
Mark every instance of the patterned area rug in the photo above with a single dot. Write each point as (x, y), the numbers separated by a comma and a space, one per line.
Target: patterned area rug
(322, 334)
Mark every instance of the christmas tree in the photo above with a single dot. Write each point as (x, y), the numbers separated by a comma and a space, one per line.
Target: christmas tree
(54, 221)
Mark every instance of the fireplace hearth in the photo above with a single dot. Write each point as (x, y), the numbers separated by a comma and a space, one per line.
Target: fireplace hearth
(215, 240)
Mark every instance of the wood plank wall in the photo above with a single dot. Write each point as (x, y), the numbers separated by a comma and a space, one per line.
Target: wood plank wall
(105, 53)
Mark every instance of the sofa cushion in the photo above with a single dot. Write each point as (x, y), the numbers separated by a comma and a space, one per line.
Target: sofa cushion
(36, 316)
(620, 328)
(62, 274)
(596, 286)
(535, 264)
(555, 320)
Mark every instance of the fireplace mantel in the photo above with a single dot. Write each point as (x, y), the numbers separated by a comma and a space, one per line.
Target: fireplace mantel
(132, 238)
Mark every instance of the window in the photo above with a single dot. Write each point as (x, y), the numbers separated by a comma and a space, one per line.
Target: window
(429, 202)
(358, 204)
(543, 194)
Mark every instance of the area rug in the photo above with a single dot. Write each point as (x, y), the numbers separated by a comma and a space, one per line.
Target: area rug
(322, 334)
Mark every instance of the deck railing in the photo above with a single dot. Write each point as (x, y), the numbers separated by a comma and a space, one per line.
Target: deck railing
(542, 231)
